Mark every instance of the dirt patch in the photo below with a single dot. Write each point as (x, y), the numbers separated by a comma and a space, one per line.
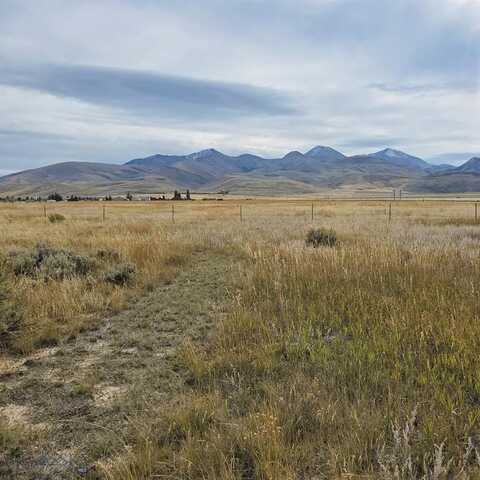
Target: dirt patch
(11, 366)
(14, 414)
(105, 395)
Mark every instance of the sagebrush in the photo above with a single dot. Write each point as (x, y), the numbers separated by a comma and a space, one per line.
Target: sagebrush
(317, 237)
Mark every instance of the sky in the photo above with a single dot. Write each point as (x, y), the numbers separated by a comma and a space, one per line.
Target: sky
(114, 80)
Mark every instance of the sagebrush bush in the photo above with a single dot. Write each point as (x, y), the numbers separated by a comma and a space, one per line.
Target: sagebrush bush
(63, 265)
(50, 263)
(23, 263)
(121, 275)
(56, 218)
(317, 237)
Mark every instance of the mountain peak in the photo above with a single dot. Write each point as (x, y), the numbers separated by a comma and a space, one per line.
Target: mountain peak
(392, 153)
(401, 158)
(293, 154)
(325, 153)
(471, 166)
(203, 154)
(322, 151)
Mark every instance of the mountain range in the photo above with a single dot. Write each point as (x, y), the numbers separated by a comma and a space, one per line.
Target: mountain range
(320, 169)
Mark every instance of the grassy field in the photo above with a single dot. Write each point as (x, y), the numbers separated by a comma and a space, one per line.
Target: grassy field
(358, 359)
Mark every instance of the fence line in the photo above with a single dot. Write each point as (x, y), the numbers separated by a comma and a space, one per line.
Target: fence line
(267, 203)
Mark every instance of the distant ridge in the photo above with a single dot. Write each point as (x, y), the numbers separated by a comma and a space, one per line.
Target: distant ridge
(320, 168)
(472, 166)
(401, 158)
(452, 159)
(462, 179)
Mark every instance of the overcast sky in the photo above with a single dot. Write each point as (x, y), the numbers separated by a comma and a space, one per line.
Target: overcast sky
(113, 80)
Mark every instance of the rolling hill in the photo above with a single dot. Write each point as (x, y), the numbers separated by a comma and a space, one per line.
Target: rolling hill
(319, 169)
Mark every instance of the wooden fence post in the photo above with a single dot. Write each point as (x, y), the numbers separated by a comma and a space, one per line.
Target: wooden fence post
(476, 212)
(312, 212)
(389, 212)
(103, 212)
(45, 211)
(173, 213)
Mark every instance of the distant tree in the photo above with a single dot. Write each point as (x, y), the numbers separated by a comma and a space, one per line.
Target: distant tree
(188, 195)
(55, 196)
(177, 195)
(129, 197)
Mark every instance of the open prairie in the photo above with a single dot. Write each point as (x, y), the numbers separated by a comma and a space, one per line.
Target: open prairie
(207, 339)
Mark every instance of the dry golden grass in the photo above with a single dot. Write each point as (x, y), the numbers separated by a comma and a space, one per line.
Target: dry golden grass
(53, 310)
(144, 235)
(361, 359)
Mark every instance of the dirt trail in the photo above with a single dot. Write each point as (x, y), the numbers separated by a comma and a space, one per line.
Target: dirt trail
(74, 399)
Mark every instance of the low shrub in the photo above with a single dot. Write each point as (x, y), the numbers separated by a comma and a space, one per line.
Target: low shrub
(24, 263)
(9, 316)
(82, 390)
(318, 237)
(121, 275)
(63, 265)
(50, 263)
(56, 218)
(108, 254)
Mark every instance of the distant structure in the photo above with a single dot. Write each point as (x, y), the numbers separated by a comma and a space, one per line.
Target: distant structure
(178, 196)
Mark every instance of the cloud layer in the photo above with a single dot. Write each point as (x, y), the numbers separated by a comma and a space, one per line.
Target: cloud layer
(110, 80)
(146, 93)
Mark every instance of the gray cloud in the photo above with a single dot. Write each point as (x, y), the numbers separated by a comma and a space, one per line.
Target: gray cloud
(30, 134)
(146, 92)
